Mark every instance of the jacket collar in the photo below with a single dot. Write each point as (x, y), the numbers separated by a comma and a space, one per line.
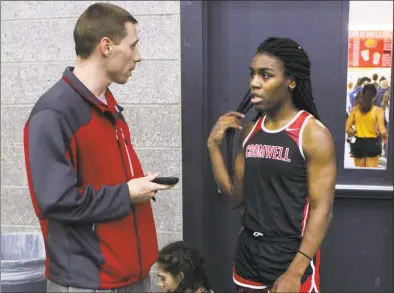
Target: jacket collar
(113, 107)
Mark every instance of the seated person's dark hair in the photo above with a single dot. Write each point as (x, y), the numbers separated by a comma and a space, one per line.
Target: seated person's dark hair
(186, 265)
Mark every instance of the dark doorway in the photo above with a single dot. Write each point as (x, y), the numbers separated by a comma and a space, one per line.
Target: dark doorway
(219, 39)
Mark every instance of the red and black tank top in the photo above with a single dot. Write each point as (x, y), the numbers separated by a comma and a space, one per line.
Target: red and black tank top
(275, 179)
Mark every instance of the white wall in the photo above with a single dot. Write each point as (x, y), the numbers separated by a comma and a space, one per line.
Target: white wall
(370, 15)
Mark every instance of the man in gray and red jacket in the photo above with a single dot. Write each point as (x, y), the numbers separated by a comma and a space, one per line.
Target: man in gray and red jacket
(86, 183)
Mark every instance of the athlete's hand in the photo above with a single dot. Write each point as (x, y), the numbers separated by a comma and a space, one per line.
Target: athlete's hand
(351, 132)
(228, 120)
(287, 283)
(385, 137)
(142, 189)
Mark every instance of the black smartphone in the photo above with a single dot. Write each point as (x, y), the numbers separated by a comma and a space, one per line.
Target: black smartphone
(166, 180)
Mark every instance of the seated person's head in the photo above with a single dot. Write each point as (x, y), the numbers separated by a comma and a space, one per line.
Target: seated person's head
(180, 268)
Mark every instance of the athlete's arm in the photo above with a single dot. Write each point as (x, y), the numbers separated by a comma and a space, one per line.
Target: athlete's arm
(230, 186)
(319, 152)
(349, 124)
(381, 127)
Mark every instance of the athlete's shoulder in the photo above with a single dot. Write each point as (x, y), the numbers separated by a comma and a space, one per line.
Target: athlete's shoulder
(316, 136)
(378, 109)
(315, 126)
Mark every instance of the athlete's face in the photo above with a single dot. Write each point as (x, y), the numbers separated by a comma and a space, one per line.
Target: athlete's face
(166, 280)
(268, 84)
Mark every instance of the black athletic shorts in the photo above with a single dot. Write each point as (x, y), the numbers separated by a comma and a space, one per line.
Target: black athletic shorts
(260, 261)
(366, 147)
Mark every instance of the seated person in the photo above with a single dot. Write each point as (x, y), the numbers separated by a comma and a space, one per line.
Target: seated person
(180, 268)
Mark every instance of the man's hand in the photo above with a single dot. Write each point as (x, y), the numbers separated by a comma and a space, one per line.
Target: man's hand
(228, 120)
(287, 283)
(142, 189)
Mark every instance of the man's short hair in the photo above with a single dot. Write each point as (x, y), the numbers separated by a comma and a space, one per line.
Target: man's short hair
(100, 20)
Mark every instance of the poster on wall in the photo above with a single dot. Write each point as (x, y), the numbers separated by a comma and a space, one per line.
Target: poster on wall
(370, 49)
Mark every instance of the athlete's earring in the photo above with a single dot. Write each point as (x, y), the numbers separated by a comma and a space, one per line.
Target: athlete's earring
(292, 85)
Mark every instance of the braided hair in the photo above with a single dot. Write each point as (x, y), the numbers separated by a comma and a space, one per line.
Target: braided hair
(179, 257)
(297, 66)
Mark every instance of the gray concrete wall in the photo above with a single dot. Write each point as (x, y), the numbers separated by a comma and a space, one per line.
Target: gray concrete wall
(37, 44)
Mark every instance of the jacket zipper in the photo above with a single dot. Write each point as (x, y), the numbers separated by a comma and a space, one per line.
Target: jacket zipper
(120, 152)
(127, 151)
(124, 166)
(132, 205)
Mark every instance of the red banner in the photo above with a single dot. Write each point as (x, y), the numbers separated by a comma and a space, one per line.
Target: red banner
(370, 49)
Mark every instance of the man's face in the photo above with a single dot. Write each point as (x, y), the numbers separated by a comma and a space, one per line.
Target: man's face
(124, 56)
(268, 84)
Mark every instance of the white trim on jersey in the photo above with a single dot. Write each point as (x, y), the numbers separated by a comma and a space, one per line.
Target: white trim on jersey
(300, 135)
(283, 127)
(247, 285)
(305, 218)
(313, 283)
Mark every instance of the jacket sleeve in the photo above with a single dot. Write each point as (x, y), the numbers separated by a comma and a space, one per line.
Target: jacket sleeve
(53, 180)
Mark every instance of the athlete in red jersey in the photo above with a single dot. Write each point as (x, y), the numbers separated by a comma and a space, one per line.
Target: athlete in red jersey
(284, 174)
